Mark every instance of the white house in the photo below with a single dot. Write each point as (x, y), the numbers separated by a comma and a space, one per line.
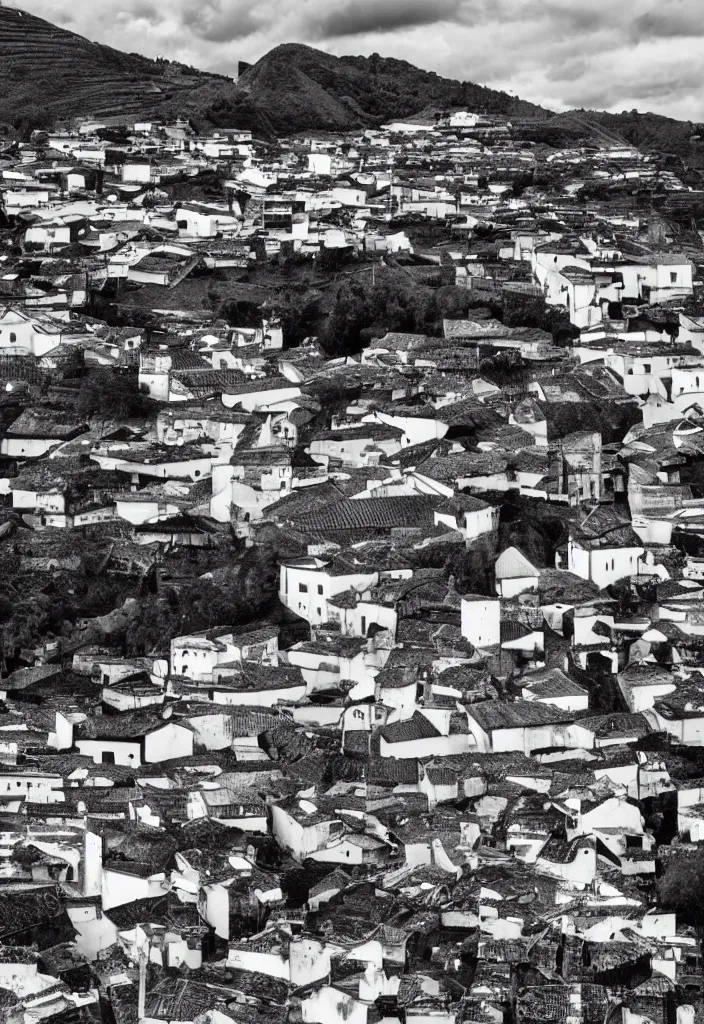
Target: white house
(481, 620)
(307, 584)
(552, 686)
(144, 740)
(604, 548)
(524, 726)
(471, 516)
(514, 574)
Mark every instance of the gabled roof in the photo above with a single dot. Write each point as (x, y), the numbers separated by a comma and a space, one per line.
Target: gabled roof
(512, 564)
(126, 726)
(492, 715)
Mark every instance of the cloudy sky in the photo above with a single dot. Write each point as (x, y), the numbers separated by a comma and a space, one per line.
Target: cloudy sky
(606, 54)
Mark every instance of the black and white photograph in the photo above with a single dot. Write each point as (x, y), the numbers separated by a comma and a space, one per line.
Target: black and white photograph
(351, 512)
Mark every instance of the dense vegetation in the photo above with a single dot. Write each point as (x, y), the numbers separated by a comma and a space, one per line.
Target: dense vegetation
(71, 601)
(362, 311)
(110, 395)
(300, 87)
(681, 888)
(241, 590)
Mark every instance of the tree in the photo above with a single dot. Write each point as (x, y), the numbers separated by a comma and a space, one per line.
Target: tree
(111, 395)
(238, 594)
(681, 888)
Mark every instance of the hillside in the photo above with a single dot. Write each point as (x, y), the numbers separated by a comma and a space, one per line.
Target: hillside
(302, 88)
(649, 132)
(47, 73)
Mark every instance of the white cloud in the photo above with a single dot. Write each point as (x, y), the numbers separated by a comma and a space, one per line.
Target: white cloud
(560, 53)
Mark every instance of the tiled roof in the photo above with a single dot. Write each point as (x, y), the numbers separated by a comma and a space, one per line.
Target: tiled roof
(451, 468)
(244, 386)
(491, 715)
(551, 683)
(369, 514)
(416, 728)
(127, 726)
(45, 424)
(617, 723)
(373, 431)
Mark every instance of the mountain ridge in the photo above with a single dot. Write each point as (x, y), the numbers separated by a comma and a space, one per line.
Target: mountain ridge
(352, 91)
(50, 74)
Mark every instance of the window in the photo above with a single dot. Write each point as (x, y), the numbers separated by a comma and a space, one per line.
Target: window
(612, 563)
(646, 367)
(13, 336)
(364, 624)
(320, 588)
(673, 277)
(302, 588)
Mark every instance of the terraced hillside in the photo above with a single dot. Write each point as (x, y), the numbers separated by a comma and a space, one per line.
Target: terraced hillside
(47, 73)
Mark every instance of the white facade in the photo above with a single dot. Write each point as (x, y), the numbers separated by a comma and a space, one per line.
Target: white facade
(481, 621)
(305, 587)
(603, 566)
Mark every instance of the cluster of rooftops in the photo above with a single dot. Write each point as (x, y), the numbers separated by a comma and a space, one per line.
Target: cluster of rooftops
(440, 775)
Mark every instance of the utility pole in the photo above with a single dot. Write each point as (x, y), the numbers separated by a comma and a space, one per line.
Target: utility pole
(142, 998)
